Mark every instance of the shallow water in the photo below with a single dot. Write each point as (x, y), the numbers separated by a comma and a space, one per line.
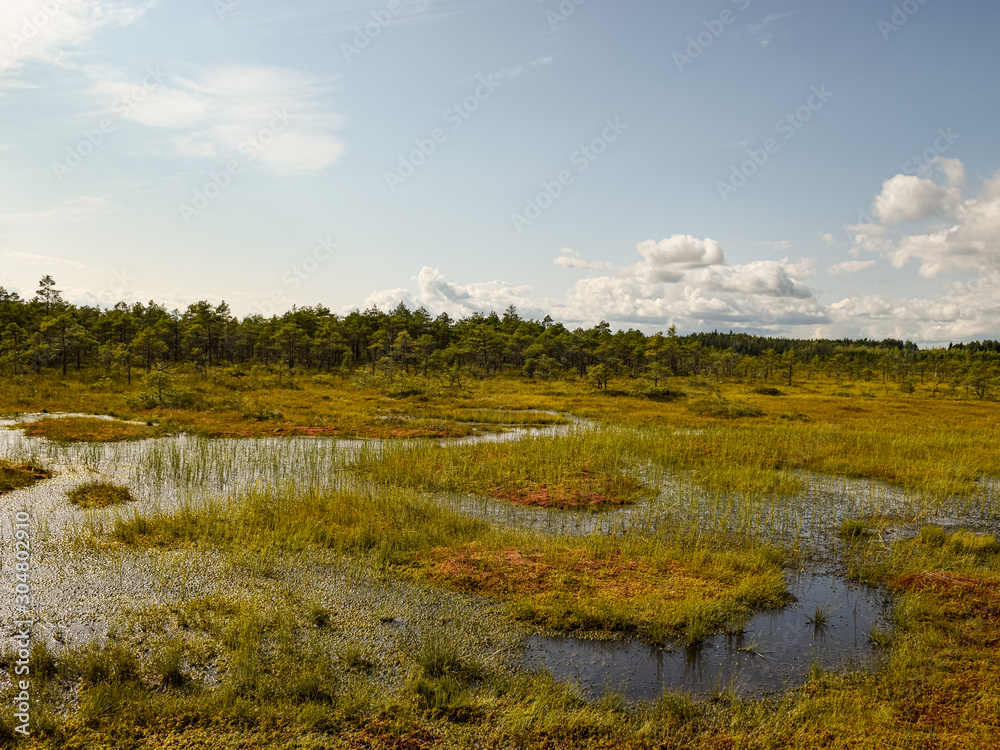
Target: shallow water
(773, 653)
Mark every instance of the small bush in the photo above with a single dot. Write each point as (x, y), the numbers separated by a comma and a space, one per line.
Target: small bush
(766, 391)
(664, 395)
(99, 495)
(853, 529)
(723, 409)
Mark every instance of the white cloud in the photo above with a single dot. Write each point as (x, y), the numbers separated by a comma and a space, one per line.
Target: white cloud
(46, 30)
(850, 266)
(777, 245)
(681, 250)
(572, 259)
(966, 311)
(46, 260)
(829, 239)
(906, 199)
(966, 240)
(72, 209)
(281, 115)
(682, 279)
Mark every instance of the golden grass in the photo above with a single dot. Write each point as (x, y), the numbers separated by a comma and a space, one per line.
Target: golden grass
(87, 430)
(16, 476)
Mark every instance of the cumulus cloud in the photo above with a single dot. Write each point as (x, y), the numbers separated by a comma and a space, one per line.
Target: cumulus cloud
(908, 199)
(280, 115)
(966, 237)
(438, 294)
(681, 250)
(568, 258)
(681, 279)
(966, 311)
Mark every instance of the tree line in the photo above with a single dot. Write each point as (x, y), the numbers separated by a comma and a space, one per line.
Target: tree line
(46, 333)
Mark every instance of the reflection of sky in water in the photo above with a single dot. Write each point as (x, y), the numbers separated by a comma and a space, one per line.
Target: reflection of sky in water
(773, 653)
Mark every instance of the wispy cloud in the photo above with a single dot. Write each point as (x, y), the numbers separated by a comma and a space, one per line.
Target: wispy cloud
(45, 259)
(765, 30)
(776, 245)
(850, 266)
(79, 208)
(50, 31)
(218, 110)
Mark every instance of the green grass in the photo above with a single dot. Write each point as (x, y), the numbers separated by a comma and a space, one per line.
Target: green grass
(634, 584)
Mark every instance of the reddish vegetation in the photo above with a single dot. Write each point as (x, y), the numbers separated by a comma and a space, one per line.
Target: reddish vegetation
(582, 489)
(968, 596)
(509, 571)
(221, 428)
(557, 497)
(23, 475)
(86, 430)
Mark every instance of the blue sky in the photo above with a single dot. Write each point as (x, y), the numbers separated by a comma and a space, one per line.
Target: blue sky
(730, 164)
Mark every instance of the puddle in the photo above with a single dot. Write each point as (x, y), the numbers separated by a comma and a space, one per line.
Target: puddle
(773, 654)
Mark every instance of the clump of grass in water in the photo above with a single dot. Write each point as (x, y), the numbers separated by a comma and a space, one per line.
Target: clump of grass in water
(88, 430)
(852, 529)
(821, 617)
(99, 495)
(16, 476)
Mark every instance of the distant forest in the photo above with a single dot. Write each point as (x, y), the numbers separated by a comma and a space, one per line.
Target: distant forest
(46, 332)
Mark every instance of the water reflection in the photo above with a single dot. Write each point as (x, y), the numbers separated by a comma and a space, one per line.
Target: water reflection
(773, 653)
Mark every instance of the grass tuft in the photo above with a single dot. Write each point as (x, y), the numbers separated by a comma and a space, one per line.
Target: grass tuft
(99, 495)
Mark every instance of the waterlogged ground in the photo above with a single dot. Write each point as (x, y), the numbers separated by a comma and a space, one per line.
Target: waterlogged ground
(827, 626)
(81, 590)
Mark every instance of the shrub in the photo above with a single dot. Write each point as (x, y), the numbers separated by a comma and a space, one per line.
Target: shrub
(99, 495)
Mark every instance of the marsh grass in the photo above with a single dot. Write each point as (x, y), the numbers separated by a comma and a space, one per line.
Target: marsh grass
(224, 671)
(560, 472)
(15, 476)
(634, 584)
(88, 430)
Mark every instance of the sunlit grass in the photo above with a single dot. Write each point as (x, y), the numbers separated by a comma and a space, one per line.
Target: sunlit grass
(15, 476)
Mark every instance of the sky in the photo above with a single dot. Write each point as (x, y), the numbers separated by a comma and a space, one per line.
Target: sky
(782, 168)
